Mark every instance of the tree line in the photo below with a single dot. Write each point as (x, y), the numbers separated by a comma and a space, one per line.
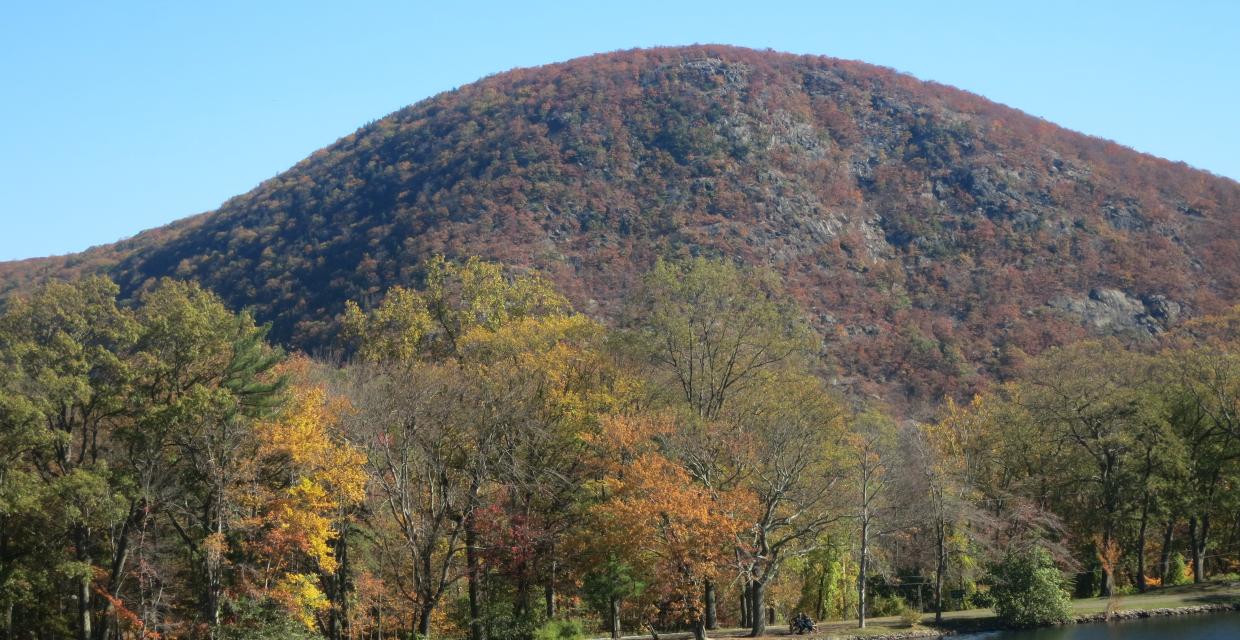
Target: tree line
(488, 463)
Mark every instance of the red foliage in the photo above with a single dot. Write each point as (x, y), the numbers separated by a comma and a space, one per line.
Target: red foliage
(923, 228)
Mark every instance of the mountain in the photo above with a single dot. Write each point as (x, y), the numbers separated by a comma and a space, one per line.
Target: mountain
(931, 235)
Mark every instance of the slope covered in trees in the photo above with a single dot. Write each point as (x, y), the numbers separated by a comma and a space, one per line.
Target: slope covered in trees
(933, 236)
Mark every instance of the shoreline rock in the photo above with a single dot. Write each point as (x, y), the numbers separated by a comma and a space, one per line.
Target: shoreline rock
(913, 634)
(1118, 616)
(1141, 614)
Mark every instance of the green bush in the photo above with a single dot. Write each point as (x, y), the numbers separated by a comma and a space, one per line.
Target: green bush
(251, 619)
(1177, 571)
(979, 599)
(910, 615)
(565, 629)
(611, 579)
(1028, 590)
(883, 606)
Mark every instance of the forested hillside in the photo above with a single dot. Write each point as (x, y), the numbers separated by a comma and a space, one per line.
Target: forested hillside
(933, 237)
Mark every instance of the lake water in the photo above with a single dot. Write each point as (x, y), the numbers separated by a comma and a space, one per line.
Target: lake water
(1221, 626)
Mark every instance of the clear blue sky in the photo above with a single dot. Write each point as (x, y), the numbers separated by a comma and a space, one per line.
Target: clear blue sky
(117, 117)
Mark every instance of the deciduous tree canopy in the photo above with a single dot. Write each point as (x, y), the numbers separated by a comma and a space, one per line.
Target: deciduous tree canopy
(490, 463)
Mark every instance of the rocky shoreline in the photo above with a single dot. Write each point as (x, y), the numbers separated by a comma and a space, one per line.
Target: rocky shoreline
(1140, 614)
(1125, 615)
(911, 634)
(985, 625)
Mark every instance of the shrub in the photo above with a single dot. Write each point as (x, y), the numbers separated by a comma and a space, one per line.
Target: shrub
(980, 599)
(564, 629)
(910, 615)
(883, 606)
(253, 619)
(1177, 571)
(1028, 590)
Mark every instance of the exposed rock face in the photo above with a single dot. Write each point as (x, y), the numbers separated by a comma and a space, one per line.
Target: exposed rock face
(1163, 310)
(1113, 311)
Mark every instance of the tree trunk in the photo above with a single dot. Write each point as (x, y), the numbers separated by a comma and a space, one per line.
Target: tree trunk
(712, 621)
(476, 630)
(211, 568)
(1108, 573)
(699, 629)
(84, 632)
(1201, 570)
(339, 586)
(861, 571)
(549, 592)
(745, 604)
(211, 601)
(615, 618)
(424, 621)
(521, 607)
(820, 605)
(940, 569)
(1198, 536)
(1192, 548)
(1145, 517)
(6, 621)
(120, 557)
(426, 596)
(1164, 560)
(757, 601)
(81, 538)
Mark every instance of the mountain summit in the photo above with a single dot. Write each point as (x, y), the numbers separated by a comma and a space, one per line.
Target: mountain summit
(931, 235)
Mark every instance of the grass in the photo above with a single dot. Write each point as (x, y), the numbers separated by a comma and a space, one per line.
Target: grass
(1160, 598)
(1163, 598)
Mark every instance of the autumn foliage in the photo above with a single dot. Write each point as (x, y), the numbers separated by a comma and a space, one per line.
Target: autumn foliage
(480, 460)
(678, 533)
(923, 230)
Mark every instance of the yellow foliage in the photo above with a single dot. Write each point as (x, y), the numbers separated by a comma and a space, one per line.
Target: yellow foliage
(215, 546)
(325, 475)
(301, 596)
(393, 331)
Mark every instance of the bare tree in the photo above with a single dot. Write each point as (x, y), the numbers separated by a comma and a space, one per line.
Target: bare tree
(794, 433)
(423, 468)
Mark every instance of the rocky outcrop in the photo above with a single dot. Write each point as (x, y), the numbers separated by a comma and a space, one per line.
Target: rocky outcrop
(1113, 311)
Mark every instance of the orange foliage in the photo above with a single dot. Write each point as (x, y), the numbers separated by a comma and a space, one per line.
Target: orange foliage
(664, 522)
